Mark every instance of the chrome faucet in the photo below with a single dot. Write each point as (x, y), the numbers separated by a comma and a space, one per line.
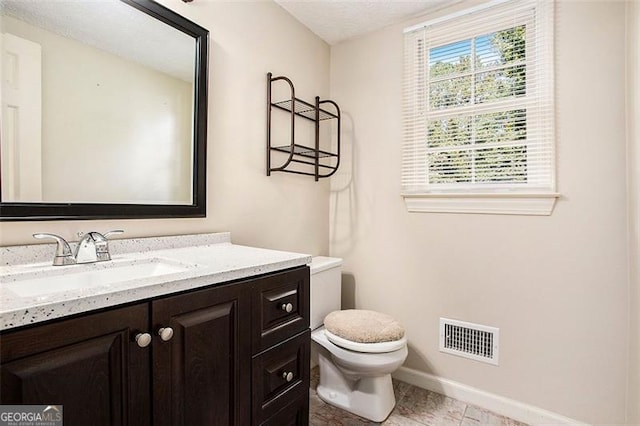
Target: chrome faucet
(93, 247)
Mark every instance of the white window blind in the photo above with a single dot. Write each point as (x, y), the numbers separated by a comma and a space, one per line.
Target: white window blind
(478, 102)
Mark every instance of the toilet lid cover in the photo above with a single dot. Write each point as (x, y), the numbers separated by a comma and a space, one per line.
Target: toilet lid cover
(364, 326)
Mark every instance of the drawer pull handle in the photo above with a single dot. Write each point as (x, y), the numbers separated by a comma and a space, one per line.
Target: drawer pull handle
(165, 333)
(143, 339)
(287, 307)
(288, 376)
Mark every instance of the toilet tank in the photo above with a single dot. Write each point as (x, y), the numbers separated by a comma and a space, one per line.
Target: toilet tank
(326, 288)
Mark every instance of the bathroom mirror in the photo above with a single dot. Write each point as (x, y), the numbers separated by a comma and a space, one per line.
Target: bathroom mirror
(104, 111)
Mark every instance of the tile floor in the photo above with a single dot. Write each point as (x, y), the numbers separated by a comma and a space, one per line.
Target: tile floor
(414, 407)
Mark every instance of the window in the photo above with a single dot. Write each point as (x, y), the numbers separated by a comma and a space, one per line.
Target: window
(478, 111)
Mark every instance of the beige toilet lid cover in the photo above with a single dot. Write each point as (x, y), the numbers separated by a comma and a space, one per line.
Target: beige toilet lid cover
(364, 326)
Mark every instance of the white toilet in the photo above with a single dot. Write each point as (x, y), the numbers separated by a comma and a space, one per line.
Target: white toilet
(354, 376)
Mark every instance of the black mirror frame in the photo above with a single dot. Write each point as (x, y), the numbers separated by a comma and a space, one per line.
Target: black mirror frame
(19, 211)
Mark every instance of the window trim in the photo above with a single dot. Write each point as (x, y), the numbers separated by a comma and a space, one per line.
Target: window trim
(515, 203)
(483, 199)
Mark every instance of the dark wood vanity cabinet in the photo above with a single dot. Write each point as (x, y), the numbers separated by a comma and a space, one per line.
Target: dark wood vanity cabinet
(89, 364)
(221, 366)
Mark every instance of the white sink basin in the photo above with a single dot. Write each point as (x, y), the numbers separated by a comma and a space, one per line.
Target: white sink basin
(77, 277)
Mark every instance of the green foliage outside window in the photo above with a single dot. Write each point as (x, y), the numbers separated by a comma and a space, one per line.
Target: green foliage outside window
(481, 70)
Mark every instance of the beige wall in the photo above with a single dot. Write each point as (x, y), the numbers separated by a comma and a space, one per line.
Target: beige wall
(633, 112)
(555, 286)
(290, 212)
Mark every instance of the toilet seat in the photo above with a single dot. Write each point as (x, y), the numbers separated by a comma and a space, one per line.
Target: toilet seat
(372, 348)
(360, 361)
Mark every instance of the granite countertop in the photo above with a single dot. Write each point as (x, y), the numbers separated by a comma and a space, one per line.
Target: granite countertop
(202, 259)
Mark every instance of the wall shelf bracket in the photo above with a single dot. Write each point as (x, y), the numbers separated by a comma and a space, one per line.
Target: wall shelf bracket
(310, 160)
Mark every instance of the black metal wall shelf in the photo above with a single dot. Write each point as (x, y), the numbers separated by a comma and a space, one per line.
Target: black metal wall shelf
(307, 156)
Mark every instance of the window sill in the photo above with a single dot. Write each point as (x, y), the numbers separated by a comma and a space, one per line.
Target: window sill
(536, 204)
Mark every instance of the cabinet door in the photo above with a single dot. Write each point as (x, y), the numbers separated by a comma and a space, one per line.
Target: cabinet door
(201, 376)
(90, 364)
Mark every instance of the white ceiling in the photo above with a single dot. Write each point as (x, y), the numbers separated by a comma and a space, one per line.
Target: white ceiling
(114, 27)
(338, 20)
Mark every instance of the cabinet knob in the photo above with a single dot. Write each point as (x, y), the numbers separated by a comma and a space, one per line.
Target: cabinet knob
(143, 339)
(287, 375)
(165, 333)
(287, 307)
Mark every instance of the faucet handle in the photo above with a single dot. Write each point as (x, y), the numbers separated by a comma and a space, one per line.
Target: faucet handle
(100, 245)
(63, 251)
(114, 232)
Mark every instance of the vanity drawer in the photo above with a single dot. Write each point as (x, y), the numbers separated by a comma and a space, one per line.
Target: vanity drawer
(294, 414)
(280, 308)
(279, 376)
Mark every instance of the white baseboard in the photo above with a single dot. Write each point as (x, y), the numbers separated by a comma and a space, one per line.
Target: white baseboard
(496, 403)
